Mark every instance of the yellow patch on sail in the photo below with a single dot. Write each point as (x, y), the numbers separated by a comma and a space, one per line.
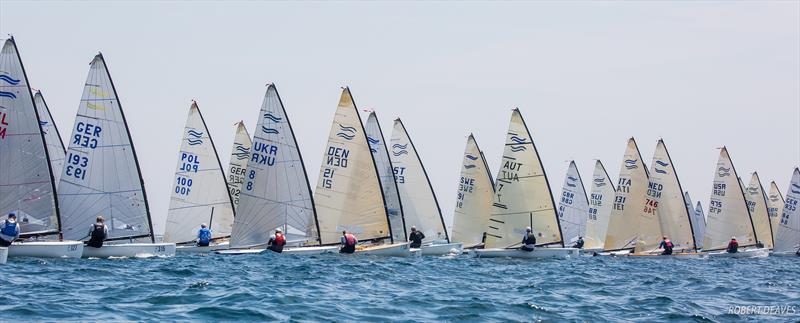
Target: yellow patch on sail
(98, 92)
(95, 106)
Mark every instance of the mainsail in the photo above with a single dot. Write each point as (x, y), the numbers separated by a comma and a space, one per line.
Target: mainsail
(573, 207)
(757, 204)
(199, 190)
(665, 200)
(775, 206)
(377, 145)
(523, 198)
(55, 147)
(276, 192)
(787, 236)
(698, 219)
(601, 200)
(628, 226)
(728, 214)
(102, 175)
(27, 185)
(475, 196)
(349, 194)
(420, 207)
(239, 155)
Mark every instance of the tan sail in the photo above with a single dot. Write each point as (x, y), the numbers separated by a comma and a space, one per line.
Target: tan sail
(728, 214)
(601, 201)
(759, 212)
(475, 196)
(774, 206)
(665, 200)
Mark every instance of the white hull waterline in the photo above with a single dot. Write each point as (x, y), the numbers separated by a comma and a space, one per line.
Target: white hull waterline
(749, 253)
(387, 250)
(198, 249)
(785, 254)
(239, 251)
(3, 255)
(536, 253)
(310, 250)
(130, 250)
(441, 249)
(46, 249)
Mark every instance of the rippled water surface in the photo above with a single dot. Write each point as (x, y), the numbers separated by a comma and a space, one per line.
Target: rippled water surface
(339, 288)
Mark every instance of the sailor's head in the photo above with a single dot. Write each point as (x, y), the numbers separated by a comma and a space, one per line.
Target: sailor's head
(664, 238)
(278, 230)
(100, 219)
(12, 216)
(413, 228)
(344, 232)
(733, 238)
(528, 229)
(203, 225)
(579, 237)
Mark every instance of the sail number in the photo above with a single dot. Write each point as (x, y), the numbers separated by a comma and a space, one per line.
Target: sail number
(715, 206)
(189, 163)
(466, 185)
(251, 176)
(76, 166)
(327, 178)
(400, 175)
(86, 135)
(183, 185)
(3, 124)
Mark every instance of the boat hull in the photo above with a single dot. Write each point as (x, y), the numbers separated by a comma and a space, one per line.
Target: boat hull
(387, 250)
(310, 250)
(137, 250)
(441, 249)
(784, 254)
(239, 251)
(3, 255)
(46, 249)
(207, 249)
(590, 251)
(536, 253)
(680, 255)
(749, 253)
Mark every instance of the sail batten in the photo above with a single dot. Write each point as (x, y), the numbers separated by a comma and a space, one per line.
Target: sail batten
(475, 196)
(391, 192)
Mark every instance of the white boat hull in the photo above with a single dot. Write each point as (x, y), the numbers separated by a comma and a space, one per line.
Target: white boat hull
(749, 253)
(310, 250)
(207, 249)
(46, 249)
(590, 251)
(614, 253)
(137, 250)
(536, 253)
(239, 251)
(387, 250)
(784, 254)
(441, 249)
(3, 255)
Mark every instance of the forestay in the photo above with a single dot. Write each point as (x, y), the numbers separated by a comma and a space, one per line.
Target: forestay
(348, 194)
(275, 193)
(475, 196)
(728, 214)
(199, 190)
(774, 206)
(420, 207)
(101, 175)
(665, 201)
(26, 180)
(239, 155)
(523, 197)
(52, 138)
(573, 206)
(601, 200)
(787, 237)
(757, 204)
(377, 145)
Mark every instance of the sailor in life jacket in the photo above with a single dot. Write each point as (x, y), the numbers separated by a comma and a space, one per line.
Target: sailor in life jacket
(203, 236)
(666, 245)
(349, 242)
(277, 241)
(10, 230)
(528, 240)
(733, 246)
(97, 233)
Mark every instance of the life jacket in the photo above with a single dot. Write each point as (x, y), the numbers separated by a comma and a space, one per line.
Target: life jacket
(10, 229)
(669, 244)
(350, 240)
(204, 236)
(98, 235)
(530, 239)
(280, 240)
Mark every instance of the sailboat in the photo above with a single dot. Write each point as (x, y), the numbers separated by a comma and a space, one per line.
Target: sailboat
(27, 184)
(55, 147)
(276, 193)
(728, 214)
(787, 235)
(349, 194)
(238, 163)
(759, 211)
(698, 219)
(523, 199)
(630, 229)
(421, 208)
(475, 196)
(394, 205)
(573, 206)
(199, 191)
(601, 199)
(102, 176)
(774, 206)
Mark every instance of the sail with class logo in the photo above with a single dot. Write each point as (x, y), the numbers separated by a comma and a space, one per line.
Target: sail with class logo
(275, 193)
(199, 190)
(377, 145)
(236, 167)
(787, 236)
(775, 204)
(573, 205)
(601, 199)
(759, 211)
(101, 175)
(349, 195)
(27, 183)
(55, 147)
(523, 197)
(420, 207)
(475, 196)
(728, 214)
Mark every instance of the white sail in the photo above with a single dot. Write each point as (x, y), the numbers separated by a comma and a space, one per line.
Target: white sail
(239, 155)
(728, 214)
(55, 147)
(573, 205)
(199, 191)
(757, 204)
(698, 219)
(523, 198)
(276, 192)
(628, 226)
(420, 207)
(665, 201)
(101, 175)
(26, 179)
(377, 145)
(475, 196)
(775, 206)
(349, 194)
(601, 199)
(787, 236)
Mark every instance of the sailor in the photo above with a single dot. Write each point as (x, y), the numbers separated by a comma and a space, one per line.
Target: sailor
(733, 246)
(579, 244)
(349, 242)
(203, 236)
(277, 241)
(528, 240)
(97, 233)
(10, 230)
(667, 245)
(415, 237)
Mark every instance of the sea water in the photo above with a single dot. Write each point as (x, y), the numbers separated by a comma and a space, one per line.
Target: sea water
(266, 287)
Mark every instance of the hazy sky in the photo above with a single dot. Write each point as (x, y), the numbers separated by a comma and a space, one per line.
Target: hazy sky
(586, 76)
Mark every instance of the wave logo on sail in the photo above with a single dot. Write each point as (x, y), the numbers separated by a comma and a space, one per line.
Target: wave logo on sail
(398, 149)
(722, 171)
(599, 182)
(631, 164)
(240, 152)
(269, 130)
(98, 107)
(752, 190)
(194, 138)
(372, 141)
(662, 164)
(272, 117)
(346, 132)
(572, 180)
(795, 188)
(8, 95)
(8, 79)
(773, 198)
(43, 124)
(469, 166)
(470, 157)
(518, 140)
(517, 149)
